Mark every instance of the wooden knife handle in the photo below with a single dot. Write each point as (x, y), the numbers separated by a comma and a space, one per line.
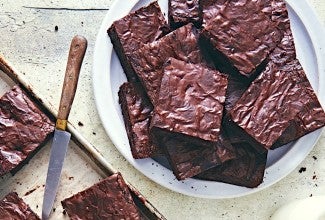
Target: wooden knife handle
(76, 54)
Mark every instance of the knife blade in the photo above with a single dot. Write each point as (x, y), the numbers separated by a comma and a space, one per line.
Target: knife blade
(61, 137)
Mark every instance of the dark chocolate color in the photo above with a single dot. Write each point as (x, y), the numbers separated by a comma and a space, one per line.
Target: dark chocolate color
(13, 207)
(181, 12)
(23, 128)
(283, 58)
(243, 35)
(271, 102)
(246, 170)
(133, 31)
(148, 61)
(210, 9)
(108, 199)
(187, 117)
(190, 100)
(137, 110)
(310, 118)
(188, 158)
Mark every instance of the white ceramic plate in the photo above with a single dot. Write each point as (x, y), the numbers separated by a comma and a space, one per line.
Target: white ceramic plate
(108, 76)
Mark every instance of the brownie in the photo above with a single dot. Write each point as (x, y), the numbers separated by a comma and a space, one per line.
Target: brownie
(137, 113)
(306, 114)
(272, 101)
(310, 118)
(182, 12)
(243, 35)
(132, 31)
(190, 101)
(148, 61)
(188, 158)
(13, 207)
(187, 116)
(247, 169)
(210, 9)
(108, 199)
(23, 130)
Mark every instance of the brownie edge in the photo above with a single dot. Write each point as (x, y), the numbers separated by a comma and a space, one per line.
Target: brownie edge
(137, 110)
(13, 207)
(108, 199)
(131, 32)
(24, 128)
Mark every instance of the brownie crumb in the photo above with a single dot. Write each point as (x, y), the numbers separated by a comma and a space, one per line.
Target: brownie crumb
(314, 177)
(94, 133)
(80, 124)
(302, 169)
(314, 157)
(311, 195)
(29, 192)
(56, 28)
(64, 212)
(37, 206)
(71, 178)
(54, 209)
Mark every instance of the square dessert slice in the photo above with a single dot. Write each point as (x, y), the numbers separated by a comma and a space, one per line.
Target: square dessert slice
(181, 12)
(246, 170)
(272, 101)
(137, 112)
(242, 35)
(108, 199)
(132, 31)
(282, 54)
(148, 61)
(188, 114)
(23, 129)
(283, 58)
(190, 101)
(13, 207)
(310, 118)
(188, 158)
(210, 9)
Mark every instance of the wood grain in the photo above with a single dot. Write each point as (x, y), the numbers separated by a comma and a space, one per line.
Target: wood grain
(76, 54)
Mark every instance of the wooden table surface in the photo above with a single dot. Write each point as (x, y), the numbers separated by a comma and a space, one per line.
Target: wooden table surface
(35, 38)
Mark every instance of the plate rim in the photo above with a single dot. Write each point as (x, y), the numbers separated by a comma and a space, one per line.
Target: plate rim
(301, 8)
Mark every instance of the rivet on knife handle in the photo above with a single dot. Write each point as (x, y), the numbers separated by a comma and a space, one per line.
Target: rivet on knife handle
(76, 54)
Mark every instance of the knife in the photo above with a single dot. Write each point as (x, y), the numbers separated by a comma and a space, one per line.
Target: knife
(61, 137)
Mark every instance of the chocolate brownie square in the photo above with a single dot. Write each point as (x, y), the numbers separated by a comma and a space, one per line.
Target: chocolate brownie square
(210, 9)
(247, 169)
(108, 199)
(310, 118)
(148, 61)
(242, 35)
(190, 101)
(13, 207)
(23, 130)
(131, 32)
(188, 158)
(181, 12)
(310, 115)
(137, 112)
(187, 116)
(272, 101)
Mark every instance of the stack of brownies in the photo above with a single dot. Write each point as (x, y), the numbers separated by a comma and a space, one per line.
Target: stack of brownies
(215, 88)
